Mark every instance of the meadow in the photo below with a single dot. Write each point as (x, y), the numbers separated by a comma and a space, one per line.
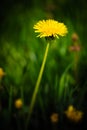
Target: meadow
(60, 98)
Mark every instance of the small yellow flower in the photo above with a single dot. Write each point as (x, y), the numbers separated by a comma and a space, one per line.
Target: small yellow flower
(50, 28)
(71, 108)
(2, 73)
(77, 116)
(73, 114)
(18, 103)
(54, 118)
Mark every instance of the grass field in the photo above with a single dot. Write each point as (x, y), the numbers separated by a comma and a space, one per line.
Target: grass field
(60, 101)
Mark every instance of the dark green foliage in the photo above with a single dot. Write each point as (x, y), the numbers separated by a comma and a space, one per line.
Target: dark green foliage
(64, 81)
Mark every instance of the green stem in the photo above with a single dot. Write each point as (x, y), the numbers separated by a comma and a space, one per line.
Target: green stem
(37, 84)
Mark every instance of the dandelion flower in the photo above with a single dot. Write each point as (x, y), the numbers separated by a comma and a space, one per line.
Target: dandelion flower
(78, 116)
(73, 114)
(50, 28)
(71, 108)
(18, 103)
(54, 118)
(2, 73)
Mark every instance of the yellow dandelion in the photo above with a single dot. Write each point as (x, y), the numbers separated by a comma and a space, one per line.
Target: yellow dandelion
(54, 118)
(2, 73)
(18, 103)
(73, 114)
(71, 108)
(78, 116)
(50, 28)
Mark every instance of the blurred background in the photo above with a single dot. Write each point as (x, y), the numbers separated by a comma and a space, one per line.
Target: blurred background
(21, 55)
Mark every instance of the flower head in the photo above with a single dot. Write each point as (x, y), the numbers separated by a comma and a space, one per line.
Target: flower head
(54, 118)
(18, 103)
(2, 73)
(73, 114)
(50, 28)
(71, 108)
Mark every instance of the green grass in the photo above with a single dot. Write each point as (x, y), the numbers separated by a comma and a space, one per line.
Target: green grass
(21, 55)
